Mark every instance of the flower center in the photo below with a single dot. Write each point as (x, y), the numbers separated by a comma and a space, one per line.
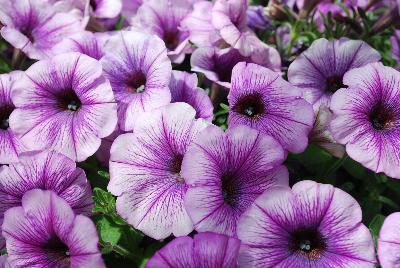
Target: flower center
(5, 112)
(171, 39)
(251, 106)
(382, 117)
(333, 83)
(175, 166)
(57, 252)
(27, 31)
(308, 242)
(68, 100)
(93, 4)
(230, 190)
(136, 82)
(224, 73)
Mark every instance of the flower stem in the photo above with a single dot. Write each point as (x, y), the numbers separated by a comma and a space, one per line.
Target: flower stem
(335, 166)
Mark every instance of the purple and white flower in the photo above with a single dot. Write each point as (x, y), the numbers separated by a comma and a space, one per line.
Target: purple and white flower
(46, 171)
(310, 225)
(367, 117)
(395, 41)
(319, 70)
(226, 172)
(389, 242)
(229, 17)
(139, 71)
(216, 64)
(203, 250)
(105, 9)
(83, 42)
(163, 18)
(321, 134)
(199, 26)
(261, 99)
(34, 27)
(10, 145)
(145, 171)
(184, 88)
(64, 104)
(45, 232)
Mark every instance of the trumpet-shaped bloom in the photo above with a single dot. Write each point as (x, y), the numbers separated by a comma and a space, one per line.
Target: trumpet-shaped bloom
(395, 41)
(261, 99)
(203, 250)
(367, 117)
(45, 232)
(199, 26)
(229, 17)
(46, 171)
(145, 171)
(64, 104)
(319, 70)
(139, 70)
(184, 88)
(389, 242)
(216, 64)
(226, 172)
(34, 27)
(105, 9)
(163, 18)
(83, 42)
(10, 145)
(310, 225)
(321, 134)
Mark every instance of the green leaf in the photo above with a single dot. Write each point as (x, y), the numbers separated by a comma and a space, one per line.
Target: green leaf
(104, 201)
(389, 202)
(375, 226)
(109, 232)
(120, 23)
(104, 174)
(224, 106)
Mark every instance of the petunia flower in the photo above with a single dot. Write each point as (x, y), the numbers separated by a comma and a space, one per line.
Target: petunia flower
(145, 171)
(198, 23)
(77, 8)
(46, 171)
(257, 18)
(395, 41)
(389, 242)
(105, 9)
(103, 153)
(45, 232)
(367, 117)
(261, 99)
(64, 104)
(163, 18)
(184, 88)
(319, 70)
(321, 134)
(129, 8)
(83, 42)
(139, 71)
(216, 64)
(10, 145)
(34, 27)
(229, 17)
(4, 262)
(203, 250)
(226, 172)
(310, 225)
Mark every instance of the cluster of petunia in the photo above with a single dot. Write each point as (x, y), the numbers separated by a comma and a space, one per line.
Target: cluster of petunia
(118, 95)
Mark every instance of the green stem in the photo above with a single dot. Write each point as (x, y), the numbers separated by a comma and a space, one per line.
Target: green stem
(335, 166)
(121, 251)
